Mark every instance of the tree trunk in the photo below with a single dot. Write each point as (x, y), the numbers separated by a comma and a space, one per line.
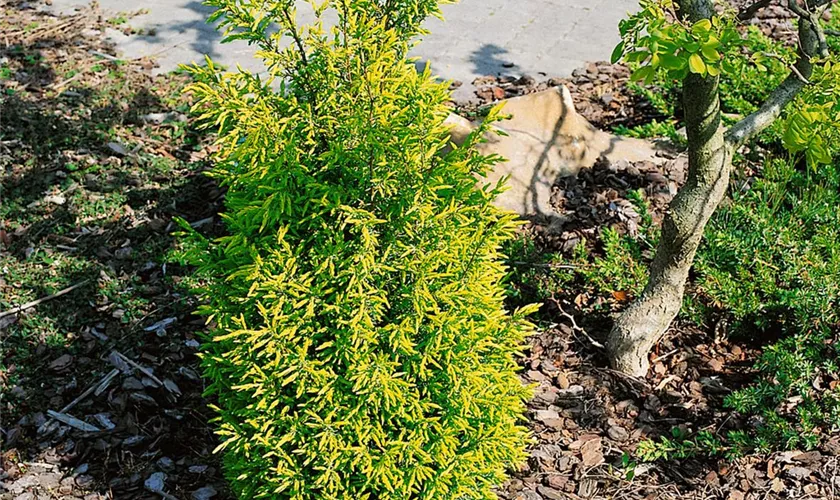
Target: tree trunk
(642, 325)
(709, 161)
(710, 151)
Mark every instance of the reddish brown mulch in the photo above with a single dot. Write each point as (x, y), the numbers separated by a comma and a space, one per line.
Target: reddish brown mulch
(598, 198)
(586, 418)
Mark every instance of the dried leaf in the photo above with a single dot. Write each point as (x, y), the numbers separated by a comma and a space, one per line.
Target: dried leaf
(591, 453)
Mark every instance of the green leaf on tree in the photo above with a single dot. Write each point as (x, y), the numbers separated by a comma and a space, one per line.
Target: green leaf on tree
(617, 53)
(696, 64)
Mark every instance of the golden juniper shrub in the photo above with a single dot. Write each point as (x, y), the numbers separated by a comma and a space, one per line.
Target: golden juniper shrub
(361, 347)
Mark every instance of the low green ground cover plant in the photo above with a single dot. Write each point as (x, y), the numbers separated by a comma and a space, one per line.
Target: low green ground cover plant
(360, 346)
(771, 261)
(614, 264)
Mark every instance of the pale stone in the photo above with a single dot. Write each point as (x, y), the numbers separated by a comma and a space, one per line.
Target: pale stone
(545, 139)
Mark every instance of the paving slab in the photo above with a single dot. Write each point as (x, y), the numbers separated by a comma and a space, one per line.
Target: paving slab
(479, 37)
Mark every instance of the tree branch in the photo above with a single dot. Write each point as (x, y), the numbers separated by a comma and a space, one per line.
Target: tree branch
(747, 13)
(810, 45)
(769, 111)
(29, 305)
(292, 27)
(813, 12)
(695, 10)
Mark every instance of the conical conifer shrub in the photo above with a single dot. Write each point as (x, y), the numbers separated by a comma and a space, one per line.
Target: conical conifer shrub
(361, 348)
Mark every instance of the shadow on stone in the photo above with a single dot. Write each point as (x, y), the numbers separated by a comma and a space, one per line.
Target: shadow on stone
(545, 140)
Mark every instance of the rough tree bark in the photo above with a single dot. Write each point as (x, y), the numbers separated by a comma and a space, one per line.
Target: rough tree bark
(710, 150)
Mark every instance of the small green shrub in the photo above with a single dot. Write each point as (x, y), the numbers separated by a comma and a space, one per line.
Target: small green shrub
(620, 264)
(535, 276)
(360, 346)
(681, 445)
(621, 268)
(770, 257)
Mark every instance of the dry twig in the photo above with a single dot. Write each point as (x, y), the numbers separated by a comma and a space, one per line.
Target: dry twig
(34, 303)
(575, 325)
(145, 371)
(97, 388)
(73, 421)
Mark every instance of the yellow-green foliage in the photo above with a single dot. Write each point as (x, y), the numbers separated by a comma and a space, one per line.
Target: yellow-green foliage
(361, 348)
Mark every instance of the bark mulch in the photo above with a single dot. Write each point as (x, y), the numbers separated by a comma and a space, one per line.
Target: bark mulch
(588, 420)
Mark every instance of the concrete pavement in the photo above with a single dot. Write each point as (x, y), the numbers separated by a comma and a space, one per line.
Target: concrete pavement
(479, 37)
